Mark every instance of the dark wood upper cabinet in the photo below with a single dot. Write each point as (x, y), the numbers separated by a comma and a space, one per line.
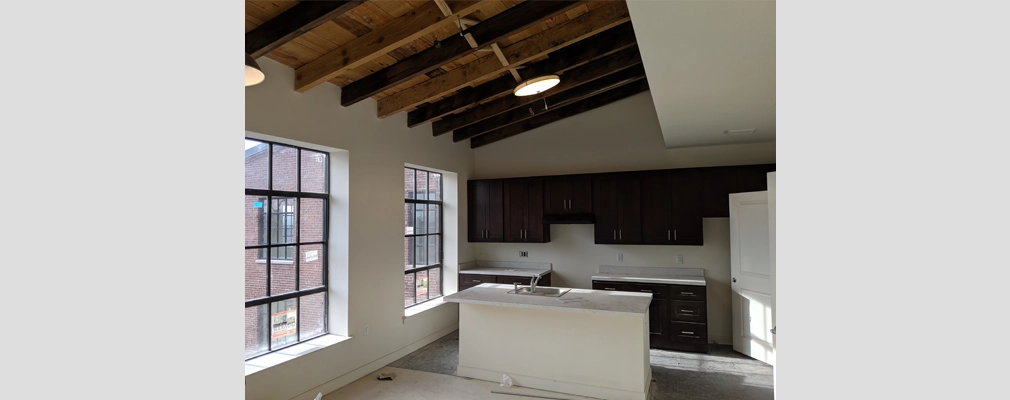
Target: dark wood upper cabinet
(672, 207)
(688, 207)
(617, 203)
(752, 178)
(524, 199)
(719, 182)
(485, 211)
(568, 194)
(658, 207)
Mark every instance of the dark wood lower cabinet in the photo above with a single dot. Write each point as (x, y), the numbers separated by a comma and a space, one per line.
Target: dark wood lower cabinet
(678, 317)
(467, 281)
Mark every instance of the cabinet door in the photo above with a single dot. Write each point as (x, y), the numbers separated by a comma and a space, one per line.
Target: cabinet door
(657, 321)
(580, 201)
(495, 212)
(605, 208)
(629, 206)
(657, 208)
(688, 207)
(753, 178)
(617, 205)
(568, 194)
(557, 191)
(536, 231)
(476, 202)
(718, 182)
(516, 201)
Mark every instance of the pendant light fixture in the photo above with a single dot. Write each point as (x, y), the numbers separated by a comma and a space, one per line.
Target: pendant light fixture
(253, 73)
(536, 85)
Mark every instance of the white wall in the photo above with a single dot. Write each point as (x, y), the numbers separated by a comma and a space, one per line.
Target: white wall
(622, 136)
(377, 150)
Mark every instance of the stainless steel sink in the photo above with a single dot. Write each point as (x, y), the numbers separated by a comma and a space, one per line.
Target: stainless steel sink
(540, 291)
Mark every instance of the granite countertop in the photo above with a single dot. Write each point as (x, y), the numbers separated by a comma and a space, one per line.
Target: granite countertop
(528, 272)
(652, 278)
(596, 301)
(666, 275)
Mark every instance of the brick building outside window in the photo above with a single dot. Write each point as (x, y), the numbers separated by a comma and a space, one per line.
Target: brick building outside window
(422, 241)
(286, 208)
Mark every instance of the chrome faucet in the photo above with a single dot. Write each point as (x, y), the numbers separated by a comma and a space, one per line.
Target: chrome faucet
(533, 283)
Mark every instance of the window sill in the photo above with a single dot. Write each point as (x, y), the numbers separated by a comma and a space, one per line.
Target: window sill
(428, 305)
(280, 356)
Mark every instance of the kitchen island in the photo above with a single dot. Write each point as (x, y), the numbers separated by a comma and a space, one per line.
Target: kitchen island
(586, 342)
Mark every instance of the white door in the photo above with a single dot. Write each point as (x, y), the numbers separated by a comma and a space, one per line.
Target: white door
(771, 255)
(751, 275)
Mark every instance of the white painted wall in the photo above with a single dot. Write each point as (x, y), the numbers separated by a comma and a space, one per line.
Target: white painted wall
(377, 150)
(622, 136)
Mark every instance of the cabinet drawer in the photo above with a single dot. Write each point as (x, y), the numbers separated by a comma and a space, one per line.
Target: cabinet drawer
(465, 286)
(604, 285)
(508, 280)
(694, 311)
(686, 292)
(658, 291)
(688, 332)
(476, 279)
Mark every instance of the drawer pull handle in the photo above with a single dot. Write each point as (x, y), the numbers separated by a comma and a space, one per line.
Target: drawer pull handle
(687, 311)
(646, 290)
(609, 288)
(687, 333)
(688, 293)
(476, 280)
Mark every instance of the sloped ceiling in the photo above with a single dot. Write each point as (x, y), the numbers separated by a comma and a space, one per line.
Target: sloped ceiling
(711, 68)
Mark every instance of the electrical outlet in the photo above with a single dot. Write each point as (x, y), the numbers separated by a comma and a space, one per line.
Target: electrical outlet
(524, 254)
(366, 329)
(620, 257)
(680, 259)
(480, 252)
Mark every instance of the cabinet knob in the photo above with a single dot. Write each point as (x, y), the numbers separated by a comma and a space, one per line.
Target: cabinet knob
(773, 329)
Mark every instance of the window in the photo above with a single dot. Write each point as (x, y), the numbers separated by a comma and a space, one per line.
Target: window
(286, 231)
(422, 241)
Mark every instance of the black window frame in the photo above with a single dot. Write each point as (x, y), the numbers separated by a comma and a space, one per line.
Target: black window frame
(268, 195)
(440, 234)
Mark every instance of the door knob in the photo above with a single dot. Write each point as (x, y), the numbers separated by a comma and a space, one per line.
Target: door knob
(734, 280)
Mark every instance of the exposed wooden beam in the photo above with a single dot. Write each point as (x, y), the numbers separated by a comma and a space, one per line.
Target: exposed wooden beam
(444, 7)
(609, 41)
(515, 75)
(411, 26)
(292, 23)
(591, 71)
(581, 92)
(581, 27)
(498, 53)
(500, 26)
(561, 113)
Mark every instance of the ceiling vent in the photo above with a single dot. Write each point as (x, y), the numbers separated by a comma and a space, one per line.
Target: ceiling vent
(739, 132)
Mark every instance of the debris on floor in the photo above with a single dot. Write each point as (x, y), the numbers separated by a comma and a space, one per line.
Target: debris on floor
(386, 376)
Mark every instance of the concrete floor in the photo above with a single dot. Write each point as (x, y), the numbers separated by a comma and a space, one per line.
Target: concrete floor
(722, 374)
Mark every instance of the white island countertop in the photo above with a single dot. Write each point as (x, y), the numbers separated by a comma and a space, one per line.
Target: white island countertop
(593, 301)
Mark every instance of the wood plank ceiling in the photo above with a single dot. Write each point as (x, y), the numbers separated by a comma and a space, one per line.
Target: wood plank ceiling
(386, 50)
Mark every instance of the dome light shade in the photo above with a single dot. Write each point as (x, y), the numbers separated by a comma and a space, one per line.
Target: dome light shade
(253, 73)
(536, 85)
